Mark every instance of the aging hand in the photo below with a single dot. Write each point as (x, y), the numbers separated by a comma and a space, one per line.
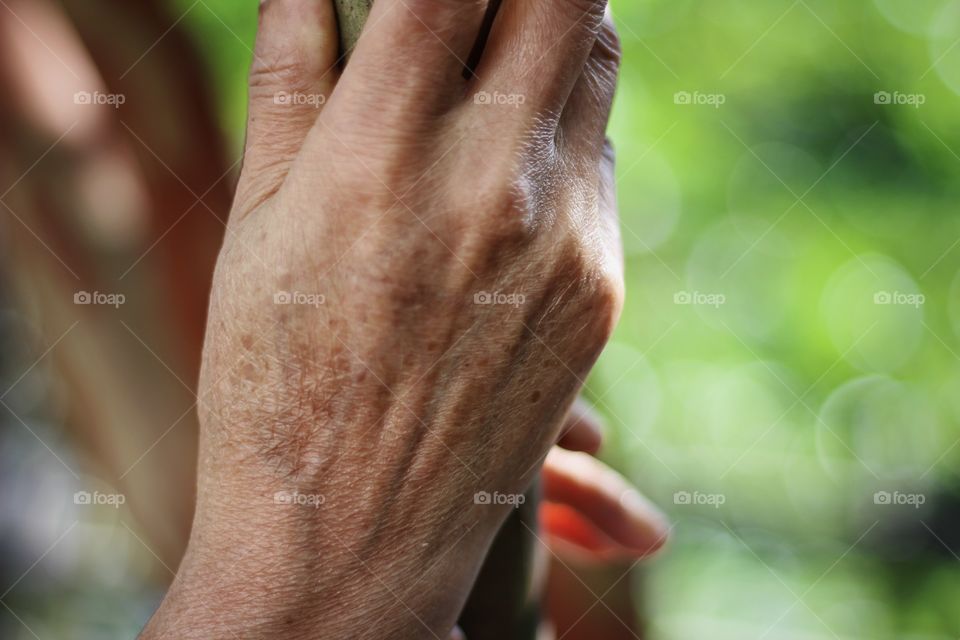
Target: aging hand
(420, 270)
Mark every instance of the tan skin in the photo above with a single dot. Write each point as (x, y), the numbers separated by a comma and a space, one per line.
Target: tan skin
(392, 393)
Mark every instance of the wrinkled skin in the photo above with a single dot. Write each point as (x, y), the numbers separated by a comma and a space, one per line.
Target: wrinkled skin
(393, 392)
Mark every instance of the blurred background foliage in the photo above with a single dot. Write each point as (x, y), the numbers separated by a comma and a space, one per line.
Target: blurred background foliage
(790, 342)
(798, 207)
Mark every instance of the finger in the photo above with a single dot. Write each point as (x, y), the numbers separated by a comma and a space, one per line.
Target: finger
(605, 227)
(457, 634)
(605, 499)
(572, 535)
(583, 124)
(408, 64)
(582, 430)
(292, 75)
(535, 54)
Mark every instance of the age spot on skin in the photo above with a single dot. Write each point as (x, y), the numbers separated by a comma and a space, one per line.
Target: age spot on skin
(535, 397)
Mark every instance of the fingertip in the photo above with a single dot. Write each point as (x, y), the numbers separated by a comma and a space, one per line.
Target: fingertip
(583, 441)
(606, 500)
(583, 429)
(649, 525)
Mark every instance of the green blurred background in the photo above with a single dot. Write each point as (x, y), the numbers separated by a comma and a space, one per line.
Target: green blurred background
(784, 382)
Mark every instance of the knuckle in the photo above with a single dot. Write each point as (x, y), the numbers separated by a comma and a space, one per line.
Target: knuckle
(605, 304)
(508, 208)
(609, 154)
(512, 212)
(279, 71)
(608, 48)
(594, 298)
(580, 8)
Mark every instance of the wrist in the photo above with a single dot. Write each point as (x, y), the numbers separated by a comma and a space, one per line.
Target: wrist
(296, 563)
